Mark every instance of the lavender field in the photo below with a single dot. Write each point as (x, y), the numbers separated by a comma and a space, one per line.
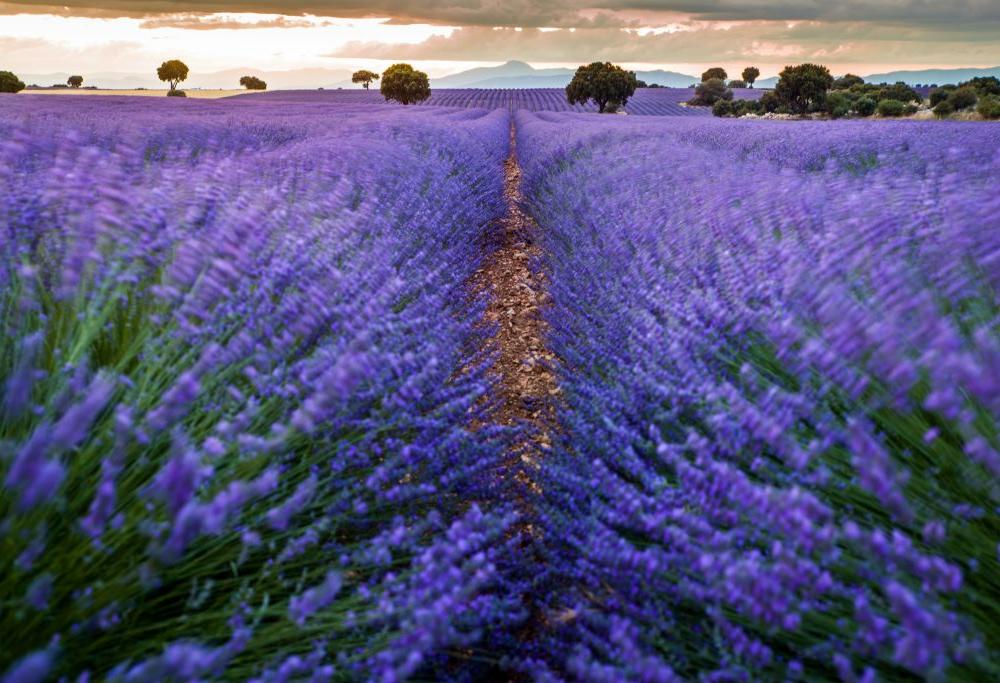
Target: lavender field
(251, 416)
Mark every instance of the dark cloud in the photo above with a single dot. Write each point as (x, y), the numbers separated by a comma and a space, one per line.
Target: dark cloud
(538, 13)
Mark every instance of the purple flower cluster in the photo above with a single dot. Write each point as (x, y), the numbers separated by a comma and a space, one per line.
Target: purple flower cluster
(778, 345)
(239, 377)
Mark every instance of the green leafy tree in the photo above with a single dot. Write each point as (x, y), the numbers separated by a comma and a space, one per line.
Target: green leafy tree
(736, 83)
(803, 88)
(963, 98)
(865, 106)
(253, 83)
(984, 85)
(364, 77)
(847, 81)
(173, 72)
(74, 81)
(938, 96)
(10, 83)
(891, 108)
(603, 82)
(750, 74)
(989, 107)
(714, 72)
(901, 92)
(706, 94)
(402, 83)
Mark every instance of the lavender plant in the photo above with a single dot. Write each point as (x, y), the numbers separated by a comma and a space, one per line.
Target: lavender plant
(779, 451)
(239, 370)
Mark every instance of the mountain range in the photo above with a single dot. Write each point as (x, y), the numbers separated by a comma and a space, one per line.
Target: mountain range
(512, 74)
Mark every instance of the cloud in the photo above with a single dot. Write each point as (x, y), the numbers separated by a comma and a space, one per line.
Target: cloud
(541, 13)
(200, 22)
(768, 42)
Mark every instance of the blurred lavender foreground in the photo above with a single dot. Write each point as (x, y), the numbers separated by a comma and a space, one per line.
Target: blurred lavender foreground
(781, 364)
(238, 371)
(241, 365)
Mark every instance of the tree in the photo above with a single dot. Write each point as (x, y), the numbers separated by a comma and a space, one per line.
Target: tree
(603, 82)
(865, 106)
(74, 81)
(891, 108)
(736, 83)
(803, 87)
(708, 93)
(750, 74)
(983, 85)
(989, 107)
(364, 77)
(10, 83)
(173, 72)
(402, 83)
(963, 98)
(253, 83)
(714, 72)
(847, 81)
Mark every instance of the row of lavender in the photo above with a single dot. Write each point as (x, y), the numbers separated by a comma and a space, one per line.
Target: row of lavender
(238, 377)
(645, 102)
(781, 363)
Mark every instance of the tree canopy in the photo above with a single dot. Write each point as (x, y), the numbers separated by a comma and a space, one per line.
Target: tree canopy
(173, 72)
(847, 81)
(707, 93)
(74, 81)
(253, 83)
(603, 82)
(401, 82)
(364, 77)
(750, 74)
(803, 87)
(10, 83)
(714, 72)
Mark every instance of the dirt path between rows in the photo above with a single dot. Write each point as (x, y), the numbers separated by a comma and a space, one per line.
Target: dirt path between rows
(525, 381)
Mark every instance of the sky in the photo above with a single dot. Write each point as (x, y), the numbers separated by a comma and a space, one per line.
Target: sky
(133, 36)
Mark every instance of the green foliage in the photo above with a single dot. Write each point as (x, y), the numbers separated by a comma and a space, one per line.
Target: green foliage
(641, 84)
(173, 72)
(865, 106)
(364, 77)
(253, 83)
(750, 74)
(736, 83)
(838, 105)
(711, 91)
(10, 83)
(770, 102)
(891, 108)
(983, 85)
(963, 98)
(404, 84)
(847, 81)
(714, 72)
(723, 108)
(176, 93)
(900, 92)
(938, 96)
(989, 107)
(74, 81)
(602, 82)
(944, 109)
(803, 87)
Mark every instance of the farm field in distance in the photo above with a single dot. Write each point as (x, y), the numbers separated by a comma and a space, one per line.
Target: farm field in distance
(264, 418)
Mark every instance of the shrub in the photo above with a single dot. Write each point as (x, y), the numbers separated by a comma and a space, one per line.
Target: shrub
(736, 83)
(899, 91)
(723, 108)
(847, 81)
(10, 83)
(983, 85)
(838, 105)
(711, 91)
(989, 107)
(938, 96)
(714, 72)
(910, 109)
(750, 74)
(891, 108)
(602, 82)
(963, 98)
(944, 109)
(865, 106)
(401, 82)
(176, 93)
(803, 87)
(770, 102)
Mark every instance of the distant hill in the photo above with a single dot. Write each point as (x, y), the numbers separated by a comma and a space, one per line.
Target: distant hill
(515, 74)
(927, 76)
